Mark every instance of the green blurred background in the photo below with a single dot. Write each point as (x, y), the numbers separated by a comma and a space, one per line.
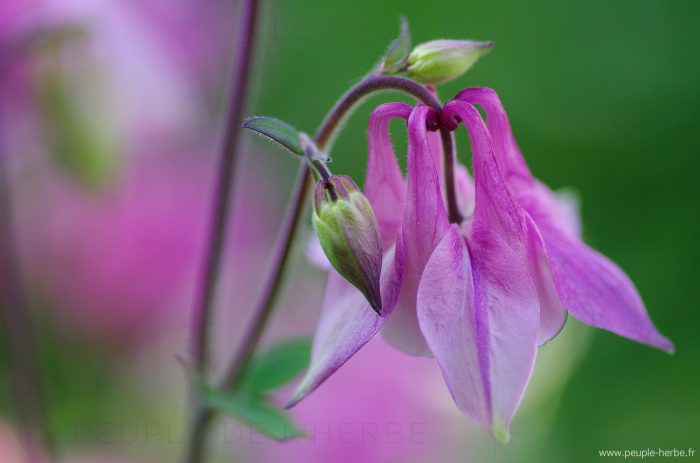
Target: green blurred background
(603, 97)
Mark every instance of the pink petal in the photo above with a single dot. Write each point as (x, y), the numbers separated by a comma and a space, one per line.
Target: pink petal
(435, 142)
(505, 304)
(384, 186)
(347, 323)
(451, 326)
(552, 313)
(589, 285)
(539, 201)
(596, 291)
(465, 191)
(510, 158)
(523, 185)
(424, 223)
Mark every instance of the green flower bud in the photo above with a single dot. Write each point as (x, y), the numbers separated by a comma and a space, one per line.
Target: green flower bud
(440, 61)
(349, 235)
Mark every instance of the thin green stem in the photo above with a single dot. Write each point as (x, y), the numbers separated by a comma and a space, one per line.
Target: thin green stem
(204, 303)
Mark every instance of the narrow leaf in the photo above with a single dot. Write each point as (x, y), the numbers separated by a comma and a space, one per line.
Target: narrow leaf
(276, 130)
(255, 412)
(398, 50)
(277, 365)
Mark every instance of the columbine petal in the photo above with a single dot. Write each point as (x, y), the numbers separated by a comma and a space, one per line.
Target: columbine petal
(521, 183)
(451, 326)
(347, 323)
(528, 192)
(596, 291)
(424, 223)
(384, 186)
(552, 312)
(511, 161)
(465, 191)
(591, 287)
(505, 303)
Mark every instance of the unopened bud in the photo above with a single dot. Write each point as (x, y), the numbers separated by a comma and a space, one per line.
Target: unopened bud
(440, 61)
(349, 235)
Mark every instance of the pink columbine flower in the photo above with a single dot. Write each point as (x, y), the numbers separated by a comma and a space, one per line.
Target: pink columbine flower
(481, 295)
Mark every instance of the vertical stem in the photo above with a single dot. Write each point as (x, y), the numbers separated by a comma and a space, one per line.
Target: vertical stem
(204, 298)
(17, 332)
(203, 308)
(255, 326)
(448, 152)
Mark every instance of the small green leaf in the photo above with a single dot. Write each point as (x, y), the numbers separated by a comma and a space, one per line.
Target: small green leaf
(276, 130)
(255, 412)
(398, 51)
(277, 365)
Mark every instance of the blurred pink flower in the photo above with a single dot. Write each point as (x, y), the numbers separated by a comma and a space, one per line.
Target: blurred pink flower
(118, 259)
(112, 62)
(115, 261)
(120, 264)
(11, 447)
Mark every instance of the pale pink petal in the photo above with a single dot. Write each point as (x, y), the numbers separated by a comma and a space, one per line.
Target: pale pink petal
(424, 223)
(465, 191)
(553, 315)
(347, 323)
(384, 185)
(589, 285)
(451, 326)
(596, 291)
(542, 202)
(529, 193)
(315, 254)
(510, 159)
(506, 306)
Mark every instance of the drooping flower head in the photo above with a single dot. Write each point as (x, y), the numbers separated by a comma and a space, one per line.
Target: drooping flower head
(479, 295)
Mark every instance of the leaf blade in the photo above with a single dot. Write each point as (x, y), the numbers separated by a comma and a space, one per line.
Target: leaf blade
(277, 365)
(276, 130)
(255, 412)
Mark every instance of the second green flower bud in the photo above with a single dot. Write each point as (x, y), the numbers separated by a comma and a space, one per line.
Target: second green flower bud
(440, 61)
(349, 235)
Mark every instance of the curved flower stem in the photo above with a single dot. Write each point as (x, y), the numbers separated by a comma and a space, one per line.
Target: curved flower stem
(203, 309)
(448, 153)
(334, 119)
(261, 313)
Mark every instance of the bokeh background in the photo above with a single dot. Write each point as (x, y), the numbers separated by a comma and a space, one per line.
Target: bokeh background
(109, 123)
